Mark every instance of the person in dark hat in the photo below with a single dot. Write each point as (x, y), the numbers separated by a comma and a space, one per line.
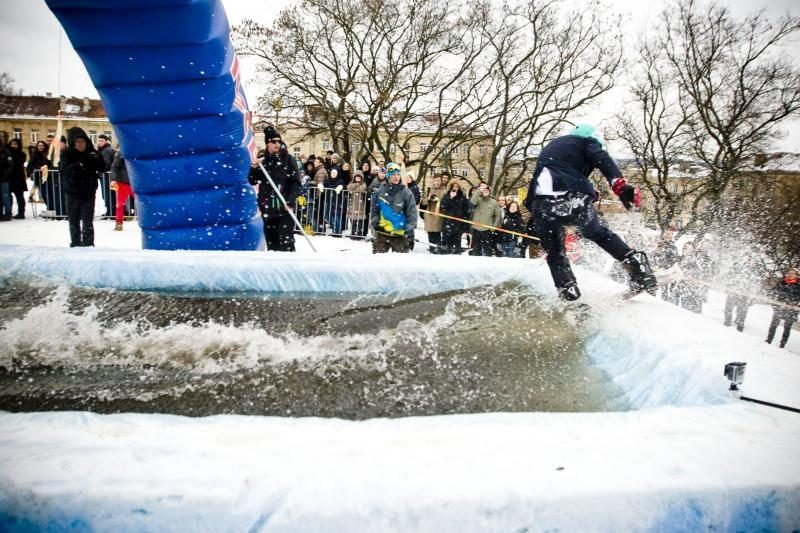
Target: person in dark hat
(107, 153)
(80, 169)
(282, 168)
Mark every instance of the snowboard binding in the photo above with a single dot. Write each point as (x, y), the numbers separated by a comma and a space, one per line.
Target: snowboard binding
(642, 278)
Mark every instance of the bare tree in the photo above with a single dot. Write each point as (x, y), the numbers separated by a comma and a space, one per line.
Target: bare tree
(310, 63)
(740, 86)
(7, 85)
(544, 64)
(656, 131)
(368, 72)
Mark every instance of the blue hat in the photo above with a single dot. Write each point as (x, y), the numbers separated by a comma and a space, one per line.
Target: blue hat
(587, 130)
(392, 168)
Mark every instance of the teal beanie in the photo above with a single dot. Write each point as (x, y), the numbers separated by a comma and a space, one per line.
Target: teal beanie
(587, 130)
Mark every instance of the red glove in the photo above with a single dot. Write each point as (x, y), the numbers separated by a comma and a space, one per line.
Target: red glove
(628, 194)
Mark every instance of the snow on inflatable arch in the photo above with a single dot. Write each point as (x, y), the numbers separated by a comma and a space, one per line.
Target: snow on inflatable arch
(168, 77)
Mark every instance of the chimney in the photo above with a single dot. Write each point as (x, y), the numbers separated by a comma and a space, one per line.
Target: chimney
(62, 103)
(49, 95)
(760, 160)
(86, 105)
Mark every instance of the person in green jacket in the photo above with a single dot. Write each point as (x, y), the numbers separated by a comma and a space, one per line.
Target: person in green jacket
(487, 212)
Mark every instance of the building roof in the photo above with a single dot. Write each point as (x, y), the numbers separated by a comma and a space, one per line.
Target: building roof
(777, 162)
(48, 106)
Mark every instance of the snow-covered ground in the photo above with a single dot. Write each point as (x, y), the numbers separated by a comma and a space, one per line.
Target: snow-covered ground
(689, 456)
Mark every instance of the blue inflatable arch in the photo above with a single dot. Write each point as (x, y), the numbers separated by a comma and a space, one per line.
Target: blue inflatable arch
(168, 77)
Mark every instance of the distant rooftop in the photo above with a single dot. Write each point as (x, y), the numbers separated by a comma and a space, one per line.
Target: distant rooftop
(48, 106)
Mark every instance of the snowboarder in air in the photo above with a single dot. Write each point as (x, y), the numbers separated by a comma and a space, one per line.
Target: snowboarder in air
(560, 194)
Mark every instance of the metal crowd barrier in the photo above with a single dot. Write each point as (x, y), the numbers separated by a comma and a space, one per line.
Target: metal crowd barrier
(51, 193)
(322, 212)
(326, 212)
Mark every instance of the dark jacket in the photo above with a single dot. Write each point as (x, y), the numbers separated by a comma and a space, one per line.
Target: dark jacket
(788, 293)
(511, 222)
(6, 164)
(119, 170)
(38, 160)
(570, 160)
(414, 188)
(18, 179)
(80, 171)
(458, 207)
(283, 170)
(107, 153)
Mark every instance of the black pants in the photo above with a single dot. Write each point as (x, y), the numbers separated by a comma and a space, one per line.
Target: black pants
(20, 197)
(451, 240)
(435, 238)
(80, 212)
(279, 233)
(552, 214)
(383, 242)
(482, 243)
(788, 317)
(739, 303)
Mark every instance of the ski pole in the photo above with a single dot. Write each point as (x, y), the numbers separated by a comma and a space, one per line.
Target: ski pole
(426, 243)
(473, 223)
(286, 205)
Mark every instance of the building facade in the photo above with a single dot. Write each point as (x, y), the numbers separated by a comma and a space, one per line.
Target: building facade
(32, 118)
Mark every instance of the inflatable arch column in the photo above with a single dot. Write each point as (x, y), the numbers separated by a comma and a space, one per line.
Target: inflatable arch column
(168, 77)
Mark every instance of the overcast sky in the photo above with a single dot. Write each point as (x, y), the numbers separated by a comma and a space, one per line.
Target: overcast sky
(32, 34)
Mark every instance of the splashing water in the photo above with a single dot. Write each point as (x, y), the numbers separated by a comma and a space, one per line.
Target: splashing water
(494, 348)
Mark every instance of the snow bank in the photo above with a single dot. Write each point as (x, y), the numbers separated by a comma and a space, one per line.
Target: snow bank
(733, 467)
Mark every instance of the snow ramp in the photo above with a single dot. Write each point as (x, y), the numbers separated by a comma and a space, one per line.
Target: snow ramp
(169, 80)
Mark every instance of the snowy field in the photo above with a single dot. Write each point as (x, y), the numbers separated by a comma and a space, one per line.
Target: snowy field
(688, 457)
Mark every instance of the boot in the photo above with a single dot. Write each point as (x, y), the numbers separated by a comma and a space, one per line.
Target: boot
(641, 275)
(570, 292)
(118, 226)
(19, 216)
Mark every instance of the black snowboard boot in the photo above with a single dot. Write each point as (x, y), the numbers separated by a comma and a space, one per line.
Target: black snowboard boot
(570, 293)
(641, 275)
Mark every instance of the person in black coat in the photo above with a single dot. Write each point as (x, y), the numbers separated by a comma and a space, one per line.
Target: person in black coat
(80, 168)
(787, 292)
(335, 208)
(19, 182)
(38, 160)
(454, 204)
(6, 167)
(512, 221)
(282, 168)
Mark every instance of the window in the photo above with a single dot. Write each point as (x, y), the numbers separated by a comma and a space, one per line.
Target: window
(296, 151)
(34, 137)
(423, 147)
(465, 149)
(481, 172)
(109, 135)
(675, 188)
(464, 172)
(453, 149)
(432, 171)
(482, 149)
(18, 133)
(326, 144)
(93, 136)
